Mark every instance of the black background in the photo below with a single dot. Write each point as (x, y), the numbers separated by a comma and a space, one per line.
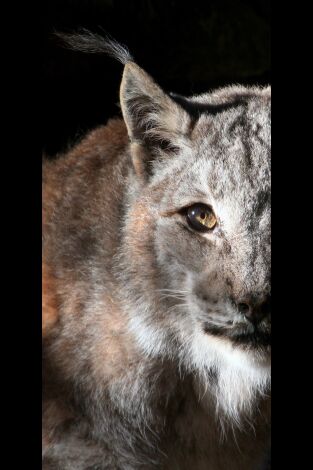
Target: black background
(52, 99)
(188, 47)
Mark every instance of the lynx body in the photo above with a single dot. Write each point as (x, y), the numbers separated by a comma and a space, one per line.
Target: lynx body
(156, 333)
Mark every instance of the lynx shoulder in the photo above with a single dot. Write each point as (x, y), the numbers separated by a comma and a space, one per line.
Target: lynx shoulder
(156, 283)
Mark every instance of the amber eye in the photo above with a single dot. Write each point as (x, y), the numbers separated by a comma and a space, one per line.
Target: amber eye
(201, 217)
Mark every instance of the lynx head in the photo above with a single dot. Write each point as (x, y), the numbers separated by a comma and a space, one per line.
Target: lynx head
(196, 254)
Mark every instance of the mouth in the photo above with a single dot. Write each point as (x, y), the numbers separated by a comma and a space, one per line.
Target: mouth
(256, 339)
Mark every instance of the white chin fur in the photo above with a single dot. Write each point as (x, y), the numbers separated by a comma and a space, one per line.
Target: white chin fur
(242, 377)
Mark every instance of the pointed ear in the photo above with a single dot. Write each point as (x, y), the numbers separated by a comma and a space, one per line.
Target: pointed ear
(156, 124)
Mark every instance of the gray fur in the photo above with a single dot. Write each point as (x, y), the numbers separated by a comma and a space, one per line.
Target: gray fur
(131, 356)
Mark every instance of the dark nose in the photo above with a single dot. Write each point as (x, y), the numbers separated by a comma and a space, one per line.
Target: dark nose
(254, 310)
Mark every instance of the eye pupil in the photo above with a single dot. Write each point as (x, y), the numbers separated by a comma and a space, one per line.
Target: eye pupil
(202, 215)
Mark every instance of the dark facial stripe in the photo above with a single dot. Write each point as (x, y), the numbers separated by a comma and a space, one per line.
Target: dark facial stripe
(254, 340)
(195, 109)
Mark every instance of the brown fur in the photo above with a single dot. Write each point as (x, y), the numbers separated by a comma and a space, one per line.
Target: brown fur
(49, 301)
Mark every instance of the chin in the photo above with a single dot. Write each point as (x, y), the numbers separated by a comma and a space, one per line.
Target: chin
(251, 340)
(241, 374)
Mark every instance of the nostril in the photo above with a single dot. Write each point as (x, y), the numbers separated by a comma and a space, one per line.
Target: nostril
(255, 312)
(244, 308)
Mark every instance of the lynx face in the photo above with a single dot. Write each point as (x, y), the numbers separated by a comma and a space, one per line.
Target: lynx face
(196, 260)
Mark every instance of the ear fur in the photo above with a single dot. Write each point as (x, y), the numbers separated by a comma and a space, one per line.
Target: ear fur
(156, 124)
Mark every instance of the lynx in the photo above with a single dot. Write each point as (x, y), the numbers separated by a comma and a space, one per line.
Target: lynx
(156, 283)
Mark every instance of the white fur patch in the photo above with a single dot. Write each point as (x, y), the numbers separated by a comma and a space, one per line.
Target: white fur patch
(241, 378)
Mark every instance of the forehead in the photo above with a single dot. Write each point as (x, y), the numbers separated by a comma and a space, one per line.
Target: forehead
(228, 159)
(232, 150)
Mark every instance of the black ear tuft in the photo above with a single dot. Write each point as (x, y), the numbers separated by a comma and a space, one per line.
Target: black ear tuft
(86, 41)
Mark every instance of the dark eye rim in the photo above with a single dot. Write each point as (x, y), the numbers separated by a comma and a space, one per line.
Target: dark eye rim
(194, 224)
